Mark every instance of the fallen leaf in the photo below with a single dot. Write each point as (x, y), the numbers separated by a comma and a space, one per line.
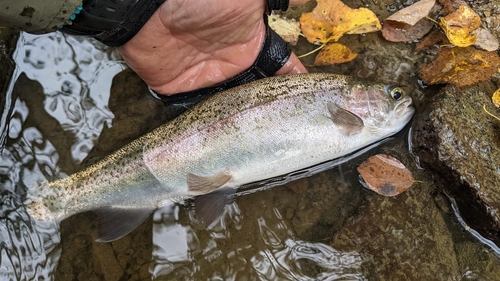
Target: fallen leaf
(288, 29)
(449, 6)
(410, 23)
(413, 13)
(459, 26)
(331, 19)
(496, 98)
(402, 32)
(385, 175)
(460, 66)
(433, 41)
(485, 40)
(334, 53)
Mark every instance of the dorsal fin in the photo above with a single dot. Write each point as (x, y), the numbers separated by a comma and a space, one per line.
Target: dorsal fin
(348, 122)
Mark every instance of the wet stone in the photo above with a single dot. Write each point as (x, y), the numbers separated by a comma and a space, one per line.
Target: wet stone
(393, 234)
(105, 257)
(456, 140)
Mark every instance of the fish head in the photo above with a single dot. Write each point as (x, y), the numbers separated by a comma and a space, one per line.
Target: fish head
(384, 109)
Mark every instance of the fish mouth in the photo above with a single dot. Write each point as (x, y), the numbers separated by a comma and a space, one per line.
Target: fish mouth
(404, 109)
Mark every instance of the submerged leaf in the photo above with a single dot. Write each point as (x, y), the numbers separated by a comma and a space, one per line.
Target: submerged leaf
(331, 19)
(460, 66)
(385, 175)
(334, 53)
(402, 32)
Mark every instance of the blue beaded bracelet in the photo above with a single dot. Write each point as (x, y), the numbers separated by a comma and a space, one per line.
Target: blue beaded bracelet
(73, 15)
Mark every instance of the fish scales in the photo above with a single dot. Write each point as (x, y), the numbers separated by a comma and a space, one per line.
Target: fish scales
(260, 130)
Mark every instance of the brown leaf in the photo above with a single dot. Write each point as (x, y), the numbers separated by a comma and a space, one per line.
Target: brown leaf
(413, 13)
(460, 66)
(385, 175)
(334, 53)
(434, 39)
(450, 6)
(402, 32)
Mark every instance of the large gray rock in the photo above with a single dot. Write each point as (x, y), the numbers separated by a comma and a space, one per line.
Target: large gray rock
(459, 143)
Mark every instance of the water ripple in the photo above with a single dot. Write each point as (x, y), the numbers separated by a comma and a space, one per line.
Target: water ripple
(182, 251)
(76, 76)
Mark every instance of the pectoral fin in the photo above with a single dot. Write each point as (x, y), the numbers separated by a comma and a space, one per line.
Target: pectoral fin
(348, 122)
(208, 184)
(116, 222)
(209, 207)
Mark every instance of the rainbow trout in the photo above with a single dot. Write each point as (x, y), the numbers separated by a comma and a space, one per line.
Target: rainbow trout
(257, 131)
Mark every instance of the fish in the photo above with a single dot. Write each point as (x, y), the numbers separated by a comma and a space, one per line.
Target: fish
(260, 130)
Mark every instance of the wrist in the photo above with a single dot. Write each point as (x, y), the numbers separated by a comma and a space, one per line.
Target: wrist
(112, 22)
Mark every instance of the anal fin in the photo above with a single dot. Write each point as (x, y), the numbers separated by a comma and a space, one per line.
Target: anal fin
(116, 222)
(209, 207)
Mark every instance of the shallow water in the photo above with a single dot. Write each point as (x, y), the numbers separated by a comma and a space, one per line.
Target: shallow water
(71, 101)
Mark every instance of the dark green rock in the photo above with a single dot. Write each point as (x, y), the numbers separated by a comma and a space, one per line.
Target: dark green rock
(459, 143)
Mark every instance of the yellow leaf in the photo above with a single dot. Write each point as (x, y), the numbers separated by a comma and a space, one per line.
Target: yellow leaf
(331, 19)
(496, 98)
(334, 53)
(459, 25)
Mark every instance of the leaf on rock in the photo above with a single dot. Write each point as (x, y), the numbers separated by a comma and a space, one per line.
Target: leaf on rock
(414, 13)
(334, 53)
(459, 26)
(410, 23)
(288, 29)
(460, 66)
(331, 19)
(385, 175)
(496, 98)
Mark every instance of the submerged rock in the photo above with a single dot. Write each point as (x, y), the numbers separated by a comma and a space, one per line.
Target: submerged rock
(459, 142)
(401, 238)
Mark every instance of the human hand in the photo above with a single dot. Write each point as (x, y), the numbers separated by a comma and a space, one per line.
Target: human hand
(191, 44)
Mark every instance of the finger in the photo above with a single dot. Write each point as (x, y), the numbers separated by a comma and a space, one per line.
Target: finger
(292, 66)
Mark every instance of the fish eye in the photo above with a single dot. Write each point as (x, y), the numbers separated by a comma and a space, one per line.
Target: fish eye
(396, 93)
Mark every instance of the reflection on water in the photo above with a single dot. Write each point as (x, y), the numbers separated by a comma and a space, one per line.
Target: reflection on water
(76, 76)
(261, 249)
